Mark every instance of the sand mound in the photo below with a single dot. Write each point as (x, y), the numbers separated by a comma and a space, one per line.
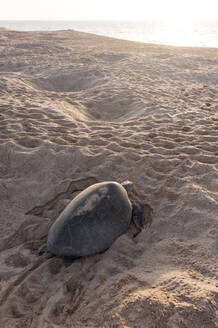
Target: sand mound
(70, 118)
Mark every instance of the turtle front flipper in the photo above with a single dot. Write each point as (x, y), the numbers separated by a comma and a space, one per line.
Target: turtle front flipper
(43, 249)
(137, 215)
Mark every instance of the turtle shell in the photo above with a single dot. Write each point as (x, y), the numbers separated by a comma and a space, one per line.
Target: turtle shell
(92, 221)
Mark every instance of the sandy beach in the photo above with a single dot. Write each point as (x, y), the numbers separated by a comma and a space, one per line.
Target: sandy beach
(76, 109)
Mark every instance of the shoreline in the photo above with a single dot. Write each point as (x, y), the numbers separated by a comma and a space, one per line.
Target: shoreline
(72, 25)
(77, 109)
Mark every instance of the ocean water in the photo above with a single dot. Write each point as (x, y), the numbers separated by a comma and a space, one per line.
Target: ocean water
(179, 33)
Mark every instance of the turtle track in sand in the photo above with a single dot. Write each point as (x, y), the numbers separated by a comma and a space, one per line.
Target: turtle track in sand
(20, 279)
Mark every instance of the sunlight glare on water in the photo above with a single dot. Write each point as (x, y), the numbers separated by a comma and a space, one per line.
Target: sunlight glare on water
(177, 32)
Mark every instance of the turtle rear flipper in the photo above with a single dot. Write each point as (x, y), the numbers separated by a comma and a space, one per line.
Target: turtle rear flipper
(68, 260)
(43, 249)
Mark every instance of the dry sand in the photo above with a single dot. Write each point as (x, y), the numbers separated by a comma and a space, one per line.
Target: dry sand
(76, 109)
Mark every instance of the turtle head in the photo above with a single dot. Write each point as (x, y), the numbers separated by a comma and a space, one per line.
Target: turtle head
(127, 185)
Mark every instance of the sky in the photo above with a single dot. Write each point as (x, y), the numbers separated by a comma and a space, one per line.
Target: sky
(106, 10)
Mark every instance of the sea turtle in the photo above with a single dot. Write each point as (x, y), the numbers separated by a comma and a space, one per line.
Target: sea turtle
(92, 221)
